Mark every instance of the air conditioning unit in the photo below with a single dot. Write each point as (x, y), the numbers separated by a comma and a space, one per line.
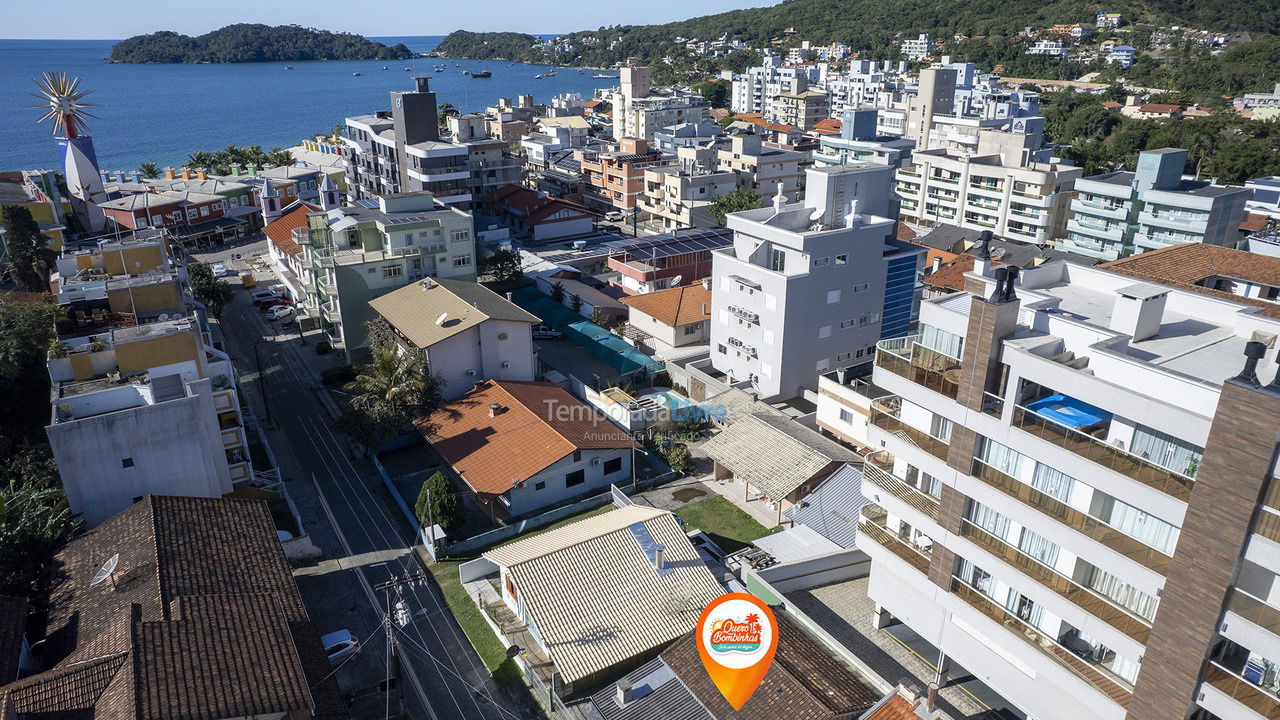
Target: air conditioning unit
(471, 373)
(506, 364)
(595, 461)
(502, 336)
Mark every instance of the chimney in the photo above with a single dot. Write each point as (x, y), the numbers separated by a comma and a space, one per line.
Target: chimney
(931, 698)
(186, 173)
(168, 174)
(202, 174)
(1138, 311)
(937, 263)
(625, 693)
(494, 409)
(1253, 352)
(706, 283)
(235, 169)
(660, 558)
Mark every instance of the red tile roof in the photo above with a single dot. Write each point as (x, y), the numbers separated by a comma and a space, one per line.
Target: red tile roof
(906, 233)
(677, 306)
(1112, 105)
(538, 423)
(951, 275)
(1185, 265)
(280, 230)
(896, 708)
(1254, 222)
(1159, 108)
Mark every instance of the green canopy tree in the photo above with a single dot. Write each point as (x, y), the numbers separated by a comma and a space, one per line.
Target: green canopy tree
(737, 200)
(439, 503)
(209, 290)
(26, 249)
(149, 170)
(396, 388)
(502, 266)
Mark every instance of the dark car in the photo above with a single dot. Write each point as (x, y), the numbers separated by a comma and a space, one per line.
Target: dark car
(546, 332)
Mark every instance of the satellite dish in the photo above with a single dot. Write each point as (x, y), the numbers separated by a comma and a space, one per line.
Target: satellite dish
(675, 281)
(440, 320)
(107, 570)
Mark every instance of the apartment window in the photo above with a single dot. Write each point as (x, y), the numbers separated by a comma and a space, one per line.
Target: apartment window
(577, 477)
(540, 485)
(392, 271)
(842, 259)
(612, 466)
(824, 332)
(204, 211)
(833, 297)
(459, 236)
(408, 239)
(462, 261)
(721, 349)
(777, 260)
(126, 462)
(577, 456)
(846, 416)
(824, 365)
(821, 262)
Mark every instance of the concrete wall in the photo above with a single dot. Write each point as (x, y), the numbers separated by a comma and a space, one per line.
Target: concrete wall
(477, 354)
(530, 498)
(838, 566)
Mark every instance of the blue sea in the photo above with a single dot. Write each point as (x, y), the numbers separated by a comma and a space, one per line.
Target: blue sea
(162, 113)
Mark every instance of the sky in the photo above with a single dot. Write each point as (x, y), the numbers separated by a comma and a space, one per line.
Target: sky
(116, 19)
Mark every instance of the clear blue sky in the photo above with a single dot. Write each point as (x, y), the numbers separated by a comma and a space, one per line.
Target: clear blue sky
(113, 19)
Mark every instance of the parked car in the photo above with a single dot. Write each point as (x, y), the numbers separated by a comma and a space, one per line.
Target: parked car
(615, 216)
(278, 312)
(273, 301)
(339, 645)
(546, 332)
(219, 270)
(280, 289)
(262, 295)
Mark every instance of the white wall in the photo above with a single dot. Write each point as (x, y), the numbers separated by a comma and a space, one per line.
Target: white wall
(477, 354)
(529, 498)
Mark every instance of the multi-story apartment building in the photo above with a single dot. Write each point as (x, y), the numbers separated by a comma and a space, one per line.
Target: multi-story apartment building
(1074, 494)
(1117, 214)
(401, 151)
(811, 286)
(952, 106)
(917, 48)
(762, 168)
(859, 142)
(803, 109)
(142, 402)
(640, 109)
(488, 161)
(359, 252)
(999, 189)
(616, 178)
(754, 90)
(680, 196)
(1051, 48)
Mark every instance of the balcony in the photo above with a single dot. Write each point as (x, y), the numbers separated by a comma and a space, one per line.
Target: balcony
(1255, 611)
(924, 503)
(1109, 456)
(1242, 691)
(1096, 207)
(921, 365)
(1113, 687)
(873, 526)
(884, 415)
(744, 314)
(1081, 522)
(1089, 601)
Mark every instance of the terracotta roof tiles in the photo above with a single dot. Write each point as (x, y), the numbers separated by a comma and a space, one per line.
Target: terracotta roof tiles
(677, 306)
(280, 230)
(1186, 265)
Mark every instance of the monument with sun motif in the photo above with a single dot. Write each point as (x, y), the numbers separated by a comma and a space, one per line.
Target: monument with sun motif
(62, 101)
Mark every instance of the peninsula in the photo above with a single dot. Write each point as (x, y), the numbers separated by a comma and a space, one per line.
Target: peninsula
(245, 42)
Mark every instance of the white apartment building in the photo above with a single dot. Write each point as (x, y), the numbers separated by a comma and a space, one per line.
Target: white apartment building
(762, 168)
(952, 106)
(1076, 495)
(858, 142)
(754, 91)
(1052, 48)
(998, 189)
(917, 48)
(640, 109)
(802, 109)
(810, 286)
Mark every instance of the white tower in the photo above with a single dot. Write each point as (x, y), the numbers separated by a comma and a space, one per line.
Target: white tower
(270, 200)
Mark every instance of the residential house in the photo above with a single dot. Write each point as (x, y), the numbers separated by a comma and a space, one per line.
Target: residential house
(1210, 269)
(688, 134)
(673, 318)
(808, 287)
(844, 404)
(1106, 21)
(1152, 111)
(1001, 188)
(1116, 214)
(1050, 48)
(1107, 478)
(804, 681)
(631, 570)
(361, 251)
(778, 459)
(524, 447)
(466, 332)
(655, 262)
(1122, 55)
(536, 216)
(197, 615)
(577, 126)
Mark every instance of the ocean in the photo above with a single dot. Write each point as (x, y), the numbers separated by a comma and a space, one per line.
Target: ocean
(162, 113)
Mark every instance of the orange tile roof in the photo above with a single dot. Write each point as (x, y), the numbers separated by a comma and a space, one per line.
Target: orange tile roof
(1254, 222)
(951, 275)
(1183, 266)
(906, 233)
(592, 103)
(1112, 105)
(280, 230)
(896, 708)
(677, 306)
(1159, 108)
(539, 424)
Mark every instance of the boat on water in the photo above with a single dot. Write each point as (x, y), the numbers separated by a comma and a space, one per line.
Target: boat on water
(384, 67)
(537, 77)
(466, 72)
(579, 72)
(288, 67)
(602, 76)
(356, 74)
(549, 73)
(406, 69)
(481, 74)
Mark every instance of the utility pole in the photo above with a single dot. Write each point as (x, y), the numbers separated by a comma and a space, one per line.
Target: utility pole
(393, 617)
(262, 384)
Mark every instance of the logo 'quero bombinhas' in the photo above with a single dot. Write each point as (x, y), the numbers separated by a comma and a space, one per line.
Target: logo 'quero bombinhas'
(737, 636)
(734, 636)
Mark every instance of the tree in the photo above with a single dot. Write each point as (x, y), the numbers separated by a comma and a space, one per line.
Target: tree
(149, 169)
(35, 522)
(396, 388)
(575, 302)
(27, 250)
(678, 458)
(438, 502)
(503, 266)
(737, 200)
(25, 332)
(446, 111)
(557, 292)
(209, 290)
(715, 92)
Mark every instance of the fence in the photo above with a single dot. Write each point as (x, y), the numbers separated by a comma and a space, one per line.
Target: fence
(476, 542)
(421, 532)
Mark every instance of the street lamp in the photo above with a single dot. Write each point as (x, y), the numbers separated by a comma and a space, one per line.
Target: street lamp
(633, 461)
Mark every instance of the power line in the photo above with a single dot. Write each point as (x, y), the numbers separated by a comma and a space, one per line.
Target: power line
(410, 642)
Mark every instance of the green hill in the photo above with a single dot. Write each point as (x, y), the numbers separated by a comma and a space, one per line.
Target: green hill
(253, 43)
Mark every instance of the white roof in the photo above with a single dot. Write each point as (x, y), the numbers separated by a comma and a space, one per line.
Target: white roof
(592, 590)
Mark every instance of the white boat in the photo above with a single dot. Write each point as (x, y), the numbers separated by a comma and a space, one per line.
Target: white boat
(288, 67)
(537, 77)
(384, 67)
(550, 73)
(356, 74)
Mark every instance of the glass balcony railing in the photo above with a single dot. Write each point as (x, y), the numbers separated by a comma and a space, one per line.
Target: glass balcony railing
(919, 364)
(1242, 691)
(1081, 522)
(1104, 454)
(872, 526)
(885, 418)
(1092, 673)
(1086, 599)
(1255, 611)
(922, 502)
(992, 404)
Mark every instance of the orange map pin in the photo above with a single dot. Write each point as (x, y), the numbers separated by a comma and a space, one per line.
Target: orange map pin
(737, 636)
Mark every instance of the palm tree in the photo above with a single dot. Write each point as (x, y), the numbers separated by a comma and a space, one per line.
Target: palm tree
(200, 159)
(149, 169)
(393, 386)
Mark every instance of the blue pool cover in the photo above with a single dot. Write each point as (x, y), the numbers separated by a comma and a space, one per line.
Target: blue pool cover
(1068, 411)
(613, 350)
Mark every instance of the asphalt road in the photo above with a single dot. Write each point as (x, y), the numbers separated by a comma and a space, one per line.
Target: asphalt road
(348, 513)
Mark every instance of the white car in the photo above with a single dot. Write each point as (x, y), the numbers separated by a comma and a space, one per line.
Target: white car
(339, 645)
(278, 312)
(614, 216)
(219, 270)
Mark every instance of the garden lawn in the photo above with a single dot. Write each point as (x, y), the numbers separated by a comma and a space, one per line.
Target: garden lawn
(722, 521)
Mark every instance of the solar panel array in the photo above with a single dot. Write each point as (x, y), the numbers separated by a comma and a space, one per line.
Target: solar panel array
(671, 244)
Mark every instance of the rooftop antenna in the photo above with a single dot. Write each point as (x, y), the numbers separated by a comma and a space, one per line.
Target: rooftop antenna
(107, 571)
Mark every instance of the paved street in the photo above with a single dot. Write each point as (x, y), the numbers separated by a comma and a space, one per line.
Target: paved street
(364, 537)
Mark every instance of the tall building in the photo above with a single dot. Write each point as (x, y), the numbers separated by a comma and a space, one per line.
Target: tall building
(811, 286)
(1074, 494)
(142, 401)
(860, 142)
(952, 105)
(754, 90)
(803, 109)
(1117, 214)
(1001, 188)
(640, 109)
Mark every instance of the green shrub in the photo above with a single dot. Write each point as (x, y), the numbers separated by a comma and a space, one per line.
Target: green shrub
(446, 506)
(323, 347)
